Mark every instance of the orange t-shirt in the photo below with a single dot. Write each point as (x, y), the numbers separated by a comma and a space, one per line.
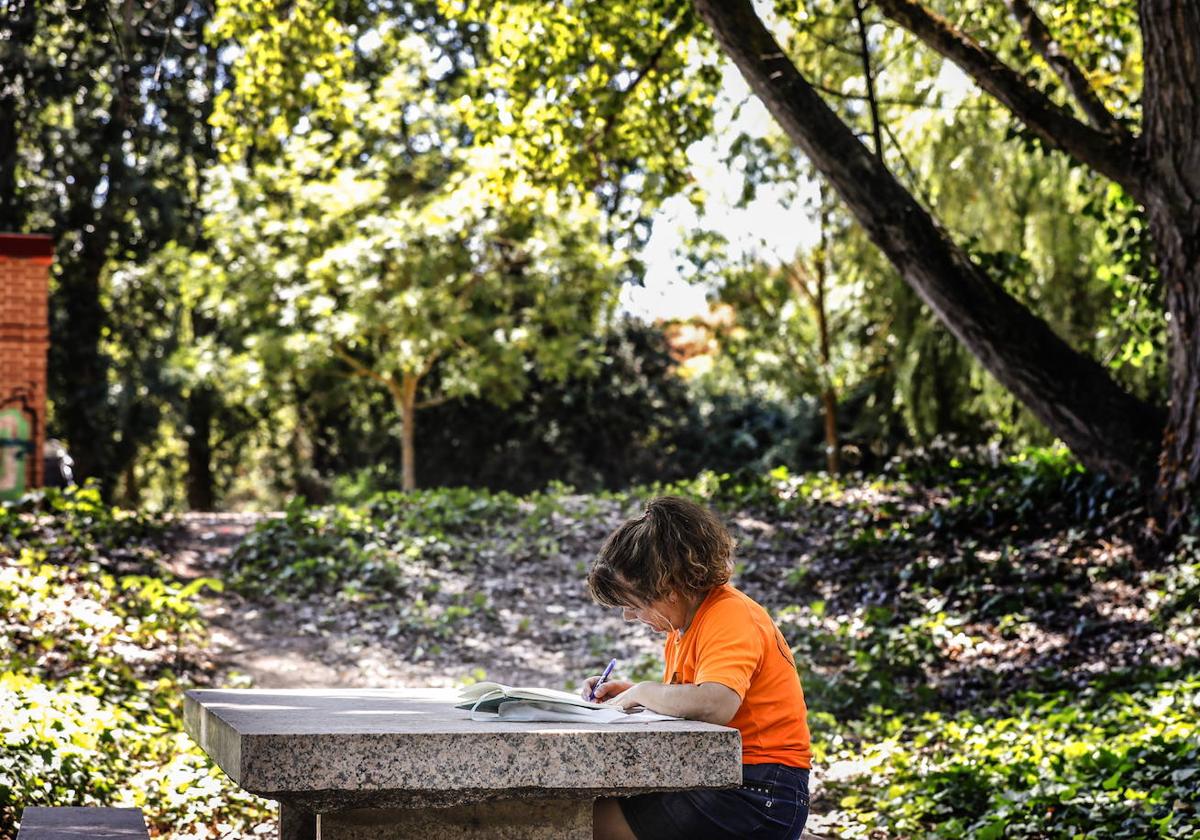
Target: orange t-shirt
(733, 641)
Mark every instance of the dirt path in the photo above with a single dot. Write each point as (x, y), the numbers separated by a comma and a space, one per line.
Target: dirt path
(279, 645)
(313, 642)
(245, 639)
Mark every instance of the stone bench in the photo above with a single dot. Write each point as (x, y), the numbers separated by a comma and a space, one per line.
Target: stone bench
(389, 764)
(73, 823)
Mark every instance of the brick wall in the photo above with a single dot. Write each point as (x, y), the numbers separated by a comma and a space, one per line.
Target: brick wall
(24, 339)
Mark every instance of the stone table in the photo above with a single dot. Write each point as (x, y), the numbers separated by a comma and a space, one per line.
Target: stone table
(392, 763)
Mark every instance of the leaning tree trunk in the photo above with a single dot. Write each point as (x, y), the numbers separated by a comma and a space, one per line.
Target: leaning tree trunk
(1171, 136)
(1107, 428)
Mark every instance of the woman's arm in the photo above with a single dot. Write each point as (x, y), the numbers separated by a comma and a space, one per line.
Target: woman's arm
(709, 702)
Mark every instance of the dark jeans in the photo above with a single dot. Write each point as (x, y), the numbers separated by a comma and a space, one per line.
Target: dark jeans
(771, 804)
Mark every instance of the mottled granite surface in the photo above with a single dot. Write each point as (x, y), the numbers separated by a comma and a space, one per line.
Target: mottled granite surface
(403, 748)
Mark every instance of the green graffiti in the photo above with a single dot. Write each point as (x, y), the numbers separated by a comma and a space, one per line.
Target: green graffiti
(16, 447)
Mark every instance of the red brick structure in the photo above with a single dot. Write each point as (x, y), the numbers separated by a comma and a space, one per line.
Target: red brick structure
(24, 341)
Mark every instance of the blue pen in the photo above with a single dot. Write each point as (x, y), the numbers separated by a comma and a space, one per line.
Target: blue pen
(603, 677)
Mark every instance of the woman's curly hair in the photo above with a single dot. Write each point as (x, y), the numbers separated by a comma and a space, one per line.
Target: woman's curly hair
(674, 546)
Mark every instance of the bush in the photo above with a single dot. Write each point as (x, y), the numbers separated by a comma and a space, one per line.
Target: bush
(95, 664)
(1118, 763)
(385, 546)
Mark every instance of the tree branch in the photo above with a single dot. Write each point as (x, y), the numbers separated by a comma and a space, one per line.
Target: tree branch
(836, 46)
(594, 142)
(1108, 428)
(914, 177)
(428, 366)
(612, 118)
(1044, 44)
(1112, 155)
(865, 57)
(431, 402)
(359, 368)
(799, 282)
(901, 103)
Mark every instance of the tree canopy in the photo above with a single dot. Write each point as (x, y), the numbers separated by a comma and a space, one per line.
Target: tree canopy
(1109, 428)
(264, 211)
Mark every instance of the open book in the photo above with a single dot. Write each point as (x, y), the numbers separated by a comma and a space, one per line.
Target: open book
(493, 701)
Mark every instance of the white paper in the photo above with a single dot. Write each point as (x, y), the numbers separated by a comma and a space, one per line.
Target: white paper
(531, 710)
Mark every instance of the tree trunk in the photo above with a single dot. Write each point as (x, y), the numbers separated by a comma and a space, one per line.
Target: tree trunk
(1108, 429)
(22, 30)
(199, 418)
(78, 364)
(1171, 107)
(81, 369)
(833, 461)
(131, 491)
(406, 395)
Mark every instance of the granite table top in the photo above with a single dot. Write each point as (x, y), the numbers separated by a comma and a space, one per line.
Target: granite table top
(330, 749)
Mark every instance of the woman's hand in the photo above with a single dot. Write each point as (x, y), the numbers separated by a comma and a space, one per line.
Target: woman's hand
(632, 696)
(609, 688)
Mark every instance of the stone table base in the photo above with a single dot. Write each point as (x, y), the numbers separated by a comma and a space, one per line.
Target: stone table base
(296, 823)
(552, 819)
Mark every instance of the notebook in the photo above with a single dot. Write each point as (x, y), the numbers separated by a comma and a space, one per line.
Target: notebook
(493, 701)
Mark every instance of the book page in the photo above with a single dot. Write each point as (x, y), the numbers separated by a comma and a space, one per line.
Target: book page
(491, 691)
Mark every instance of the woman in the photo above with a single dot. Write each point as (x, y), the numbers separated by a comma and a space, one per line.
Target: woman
(726, 663)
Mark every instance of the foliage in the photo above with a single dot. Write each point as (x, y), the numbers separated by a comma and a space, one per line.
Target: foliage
(950, 148)
(969, 486)
(1111, 762)
(96, 661)
(640, 101)
(961, 673)
(374, 234)
(387, 547)
(268, 286)
(634, 420)
(948, 143)
(631, 420)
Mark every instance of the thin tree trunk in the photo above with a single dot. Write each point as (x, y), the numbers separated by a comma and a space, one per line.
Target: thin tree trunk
(407, 397)
(1171, 105)
(131, 491)
(829, 399)
(833, 462)
(1107, 428)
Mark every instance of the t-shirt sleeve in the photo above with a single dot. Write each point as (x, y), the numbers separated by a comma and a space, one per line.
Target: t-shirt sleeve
(729, 647)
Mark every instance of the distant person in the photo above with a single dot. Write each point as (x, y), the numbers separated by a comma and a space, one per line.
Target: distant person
(726, 663)
(59, 466)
